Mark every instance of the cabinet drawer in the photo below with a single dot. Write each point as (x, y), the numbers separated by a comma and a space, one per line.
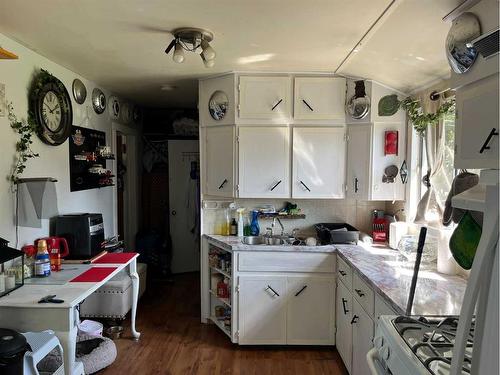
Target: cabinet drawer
(286, 262)
(344, 273)
(363, 294)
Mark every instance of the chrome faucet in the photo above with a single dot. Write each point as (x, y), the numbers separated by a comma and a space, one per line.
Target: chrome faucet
(279, 222)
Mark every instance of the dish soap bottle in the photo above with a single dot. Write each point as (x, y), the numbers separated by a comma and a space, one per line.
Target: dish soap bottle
(254, 225)
(241, 223)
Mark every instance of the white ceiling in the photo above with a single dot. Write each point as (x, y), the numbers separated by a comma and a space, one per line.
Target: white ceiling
(119, 43)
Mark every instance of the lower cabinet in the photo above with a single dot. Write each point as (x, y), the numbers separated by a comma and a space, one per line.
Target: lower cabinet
(262, 310)
(310, 310)
(362, 336)
(344, 327)
(286, 309)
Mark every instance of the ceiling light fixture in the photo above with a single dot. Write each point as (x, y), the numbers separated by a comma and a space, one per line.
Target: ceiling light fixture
(192, 40)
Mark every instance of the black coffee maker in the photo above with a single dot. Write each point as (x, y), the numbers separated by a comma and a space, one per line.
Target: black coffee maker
(13, 346)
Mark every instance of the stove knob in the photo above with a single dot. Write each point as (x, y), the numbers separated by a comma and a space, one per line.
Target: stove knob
(378, 341)
(385, 352)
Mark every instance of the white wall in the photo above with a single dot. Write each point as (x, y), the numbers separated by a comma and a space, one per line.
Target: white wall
(53, 161)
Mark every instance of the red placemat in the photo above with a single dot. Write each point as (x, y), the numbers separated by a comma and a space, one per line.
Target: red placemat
(115, 258)
(93, 275)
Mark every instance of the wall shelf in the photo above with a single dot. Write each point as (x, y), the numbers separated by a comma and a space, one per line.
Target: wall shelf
(221, 325)
(225, 301)
(263, 215)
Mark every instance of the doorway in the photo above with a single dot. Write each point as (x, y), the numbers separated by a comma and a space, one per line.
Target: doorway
(125, 197)
(184, 206)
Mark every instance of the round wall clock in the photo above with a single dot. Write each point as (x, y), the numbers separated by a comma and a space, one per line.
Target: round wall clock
(114, 108)
(79, 91)
(218, 105)
(98, 101)
(51, 107)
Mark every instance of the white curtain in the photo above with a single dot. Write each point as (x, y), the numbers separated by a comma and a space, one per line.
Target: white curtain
(430, 209)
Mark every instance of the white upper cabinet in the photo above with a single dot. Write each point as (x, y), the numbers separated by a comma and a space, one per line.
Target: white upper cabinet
(477, 125)
(319, 98)
(210, 90)
(310, 310)
(265, 97)
(358, 161)
(264, 162)
(318, 162)
(367, 161)
(219, 161)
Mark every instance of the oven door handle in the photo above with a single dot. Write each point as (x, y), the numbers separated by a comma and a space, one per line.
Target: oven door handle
(374, 363)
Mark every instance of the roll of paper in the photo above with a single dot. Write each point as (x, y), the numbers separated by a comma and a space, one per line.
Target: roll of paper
(10, 282)
(2, 283)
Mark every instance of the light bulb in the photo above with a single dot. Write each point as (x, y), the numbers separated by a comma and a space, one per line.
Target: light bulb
(178, 53)
(208, 52)
(207, 63)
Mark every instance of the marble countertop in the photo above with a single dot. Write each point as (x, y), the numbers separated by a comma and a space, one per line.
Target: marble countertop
(435, 294)
(232, 243)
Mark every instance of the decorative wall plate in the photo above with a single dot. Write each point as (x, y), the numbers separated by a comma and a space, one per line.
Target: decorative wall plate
(114, 108)
(79, 91)
(136, 114)
(464, 29)
(358, 106)
(388, 105)
(51, 106)
(98, 101)
(218, 105)
(126, 113)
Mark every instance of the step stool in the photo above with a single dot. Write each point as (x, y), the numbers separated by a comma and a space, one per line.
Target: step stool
(42, 343)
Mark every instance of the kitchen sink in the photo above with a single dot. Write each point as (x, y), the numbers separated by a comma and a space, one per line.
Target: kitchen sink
(266, 240)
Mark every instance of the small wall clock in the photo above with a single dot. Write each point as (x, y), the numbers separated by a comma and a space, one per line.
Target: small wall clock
(51, 107)
(114, 108)
(98, 101)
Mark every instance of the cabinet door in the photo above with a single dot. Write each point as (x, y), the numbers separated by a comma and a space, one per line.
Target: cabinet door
(264, 97)
(219, 170)
(262, 310)
(310, 310)
(362, 336)
(477, 122)
(318, 162)
(319, 98)
(358, 161)
(343, 337)
(264, 162)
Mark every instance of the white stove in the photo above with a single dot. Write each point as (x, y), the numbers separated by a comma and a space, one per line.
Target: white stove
(416, 345)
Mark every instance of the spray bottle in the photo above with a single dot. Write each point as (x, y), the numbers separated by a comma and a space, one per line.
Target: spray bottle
(241, 223)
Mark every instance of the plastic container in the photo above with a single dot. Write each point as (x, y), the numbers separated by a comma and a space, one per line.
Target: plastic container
(333, 233)
(90, 328)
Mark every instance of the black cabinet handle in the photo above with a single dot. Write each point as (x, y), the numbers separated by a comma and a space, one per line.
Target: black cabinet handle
(300, 291)
(344, 301)
(305, 186)
(356, 184)
(223, 183)
(308, 106)
(277, 104)
(343, 273)
(354, 319)
(272, 290)
(276, 185)
(488, 139)
(359, 292)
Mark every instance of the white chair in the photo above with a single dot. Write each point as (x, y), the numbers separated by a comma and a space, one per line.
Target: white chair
(42, 343)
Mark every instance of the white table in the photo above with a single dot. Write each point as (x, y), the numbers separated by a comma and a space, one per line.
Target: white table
(21, 311)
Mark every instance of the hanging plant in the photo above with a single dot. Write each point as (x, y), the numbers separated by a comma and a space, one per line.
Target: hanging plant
(421, 120)
(25, 129)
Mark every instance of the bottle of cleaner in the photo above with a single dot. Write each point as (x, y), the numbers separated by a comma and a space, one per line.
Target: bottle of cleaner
(42, 260)
(241, 223)
(254, 226)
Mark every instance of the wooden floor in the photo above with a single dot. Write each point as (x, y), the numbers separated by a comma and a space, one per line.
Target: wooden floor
(174, 342)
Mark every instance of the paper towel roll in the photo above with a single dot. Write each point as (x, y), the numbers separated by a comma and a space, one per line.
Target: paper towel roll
(445, 262)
